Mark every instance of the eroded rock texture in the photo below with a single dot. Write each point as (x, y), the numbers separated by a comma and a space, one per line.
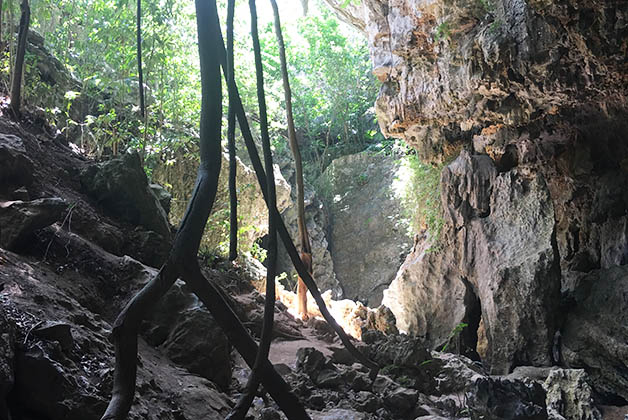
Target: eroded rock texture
(369, 230)
(534, 94)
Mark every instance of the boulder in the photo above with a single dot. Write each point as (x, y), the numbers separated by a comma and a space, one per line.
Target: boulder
(595, 337)
(45, 385)
(569, 395)
(16, 168)
(120, 185)
(495, 398)
(312, 362)
(56, 331)
(401, 400)
(163, 196)
(369, 229)
(382, 319)
(20, 219)
(7, 368)
(399, 350)
(318, 226)
(146, 246)
(187, 333)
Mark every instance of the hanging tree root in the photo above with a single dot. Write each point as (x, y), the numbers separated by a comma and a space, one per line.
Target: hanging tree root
(182, 259)
(233, 198)
(242, 407)
(185, 249)
(284, 235)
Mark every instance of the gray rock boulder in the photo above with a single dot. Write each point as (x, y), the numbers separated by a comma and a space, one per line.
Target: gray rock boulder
(162, 195)
(120, 185)
(595, 336)
(20, 219)
(187, 333)
(569, 395)
(16, 168)
(370, 234)
(493, 398)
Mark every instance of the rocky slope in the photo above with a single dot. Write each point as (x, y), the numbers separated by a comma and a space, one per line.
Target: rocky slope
(530, 96)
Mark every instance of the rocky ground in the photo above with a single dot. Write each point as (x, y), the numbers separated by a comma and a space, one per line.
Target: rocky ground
(78, 238)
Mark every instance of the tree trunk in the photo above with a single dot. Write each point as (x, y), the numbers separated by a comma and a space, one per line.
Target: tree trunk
(233, 198)
(140, 75)
(16, 87)
(304, 240)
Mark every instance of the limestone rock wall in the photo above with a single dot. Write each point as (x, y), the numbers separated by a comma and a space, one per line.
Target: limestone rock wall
(533, 93)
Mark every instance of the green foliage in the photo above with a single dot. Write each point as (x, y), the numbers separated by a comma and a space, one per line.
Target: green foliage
(333, 90)
(442, 31)
(95, 41)
(482, 8)
(348, 2)
(96, 105)
(421, 200)
(454, 333)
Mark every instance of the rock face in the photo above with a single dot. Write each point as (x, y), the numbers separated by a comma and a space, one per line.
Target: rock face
(498, 259)
(186, 332)
(569, 395)
(595, 335)
(369, 232)
(451, 69)
(317, 222)
(16, 168)
(55, 353)
(533, 93)
(20, 219)
(120, 185)
(180, 174)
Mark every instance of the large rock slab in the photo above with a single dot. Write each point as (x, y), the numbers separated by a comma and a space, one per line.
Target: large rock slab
(187, 333)
(369, 231)
(60, 379)
(595, 335)
(120, 185)
(20, 219)
(16, 168)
